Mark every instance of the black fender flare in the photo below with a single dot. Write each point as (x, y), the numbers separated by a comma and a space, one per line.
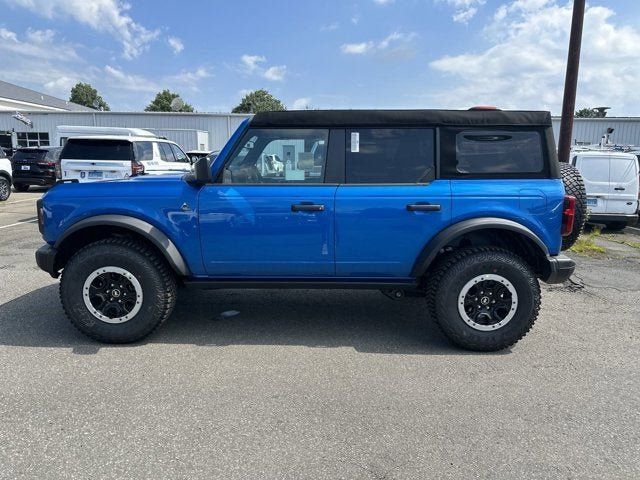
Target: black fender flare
(156, 236)
(431, 249)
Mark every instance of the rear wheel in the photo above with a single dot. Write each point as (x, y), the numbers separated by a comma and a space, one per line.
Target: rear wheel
(117, 290)
(574, 185)
(5, 189)
(484, 298)
(20, 187)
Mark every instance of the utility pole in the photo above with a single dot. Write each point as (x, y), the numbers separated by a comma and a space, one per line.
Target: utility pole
(571, 81)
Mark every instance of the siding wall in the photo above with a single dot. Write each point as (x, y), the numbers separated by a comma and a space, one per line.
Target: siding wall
(219, 126)
(626, 130)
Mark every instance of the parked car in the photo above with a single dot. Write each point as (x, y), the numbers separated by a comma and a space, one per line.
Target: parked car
(90, 159)
(5, 176)
(196, 154)
(466, 208)
(613, 187)
(34, 166)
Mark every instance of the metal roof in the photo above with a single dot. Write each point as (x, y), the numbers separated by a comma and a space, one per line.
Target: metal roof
(21, 94)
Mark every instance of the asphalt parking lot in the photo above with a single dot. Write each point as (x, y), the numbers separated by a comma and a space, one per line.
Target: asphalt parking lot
(319, 384)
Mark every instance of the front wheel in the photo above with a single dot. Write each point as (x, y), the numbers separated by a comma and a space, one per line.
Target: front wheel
(484, 298)
(117, 290)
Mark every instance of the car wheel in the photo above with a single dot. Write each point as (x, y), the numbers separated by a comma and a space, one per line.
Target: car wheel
(117, 290)
(5, 189)
(574, 185)
(616, 225)
(20, 187)
(483, 298)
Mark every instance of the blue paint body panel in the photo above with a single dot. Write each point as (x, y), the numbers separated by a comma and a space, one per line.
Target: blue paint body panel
(377, 236)
(250, 231)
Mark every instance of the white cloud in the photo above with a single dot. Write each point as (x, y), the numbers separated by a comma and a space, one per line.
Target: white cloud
(250, 62)
(301, 103)
(252, 65)
(128, 81)
(371, 46)
(330, 27)
(357, 48)
(275, 73)
(109, 16)
(465, 10)
(525, 64)
(37, 44)
(61, 86)
(383, 2)
(176, 44)
(190, 78)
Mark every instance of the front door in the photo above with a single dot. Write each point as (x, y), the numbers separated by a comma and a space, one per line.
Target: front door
(270, 214)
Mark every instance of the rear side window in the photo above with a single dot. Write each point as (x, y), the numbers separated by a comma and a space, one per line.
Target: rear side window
(89, 149)
(498, 151)
(144, 151)
(390, 155)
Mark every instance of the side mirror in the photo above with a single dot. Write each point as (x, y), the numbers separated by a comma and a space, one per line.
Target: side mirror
(201, 174)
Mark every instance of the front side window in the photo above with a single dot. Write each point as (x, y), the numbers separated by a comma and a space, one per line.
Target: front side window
(498, 152)
(279, 156)
(179, 154)
(390, 155)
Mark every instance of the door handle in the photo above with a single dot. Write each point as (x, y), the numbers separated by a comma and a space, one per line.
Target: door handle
(620, 189)
(307, 207)
(423, 207)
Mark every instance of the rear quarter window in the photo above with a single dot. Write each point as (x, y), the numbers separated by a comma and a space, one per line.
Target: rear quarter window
(117, 150)
(499, 153)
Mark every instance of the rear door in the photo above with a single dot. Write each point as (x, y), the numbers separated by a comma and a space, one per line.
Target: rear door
(623, 185)
(595, 173)
(91, 160)
(390, 205)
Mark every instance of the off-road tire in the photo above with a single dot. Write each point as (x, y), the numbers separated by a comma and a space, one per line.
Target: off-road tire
(5, 189)
(20, 187)
(447, 279)
(154, 275)
(574, 185)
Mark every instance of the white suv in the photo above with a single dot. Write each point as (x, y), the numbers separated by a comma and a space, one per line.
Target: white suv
(5, 176)
(111, 157)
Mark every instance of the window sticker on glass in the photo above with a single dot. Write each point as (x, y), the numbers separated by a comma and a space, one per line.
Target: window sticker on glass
(355, 142)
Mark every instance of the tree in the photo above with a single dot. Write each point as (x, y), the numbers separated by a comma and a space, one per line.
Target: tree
(162, 103)
(85, 94)
(586, 113)
(259, 101)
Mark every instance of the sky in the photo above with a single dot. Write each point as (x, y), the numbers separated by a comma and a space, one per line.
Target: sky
(324, 54)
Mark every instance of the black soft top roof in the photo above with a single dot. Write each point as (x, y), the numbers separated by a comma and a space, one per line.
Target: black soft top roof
(390, 118)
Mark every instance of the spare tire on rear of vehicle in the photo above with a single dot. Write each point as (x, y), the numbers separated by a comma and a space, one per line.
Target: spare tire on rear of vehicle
(574, 185)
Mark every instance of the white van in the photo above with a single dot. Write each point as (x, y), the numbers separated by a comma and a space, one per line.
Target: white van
(612, 182)
(109, 157)
(64, 132)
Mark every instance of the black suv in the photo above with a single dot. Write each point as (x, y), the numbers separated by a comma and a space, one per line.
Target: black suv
(34, 166)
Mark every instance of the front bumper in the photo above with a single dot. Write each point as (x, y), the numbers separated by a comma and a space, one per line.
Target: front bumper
(46, 260)
(559, 268)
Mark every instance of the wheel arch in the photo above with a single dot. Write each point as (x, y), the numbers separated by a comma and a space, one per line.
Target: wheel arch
(481, 232)
(102, 226)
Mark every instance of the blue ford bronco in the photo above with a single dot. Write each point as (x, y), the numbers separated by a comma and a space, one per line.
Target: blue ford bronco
(466, 208)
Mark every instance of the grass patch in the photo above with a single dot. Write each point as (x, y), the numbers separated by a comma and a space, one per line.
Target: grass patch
(585, 245)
